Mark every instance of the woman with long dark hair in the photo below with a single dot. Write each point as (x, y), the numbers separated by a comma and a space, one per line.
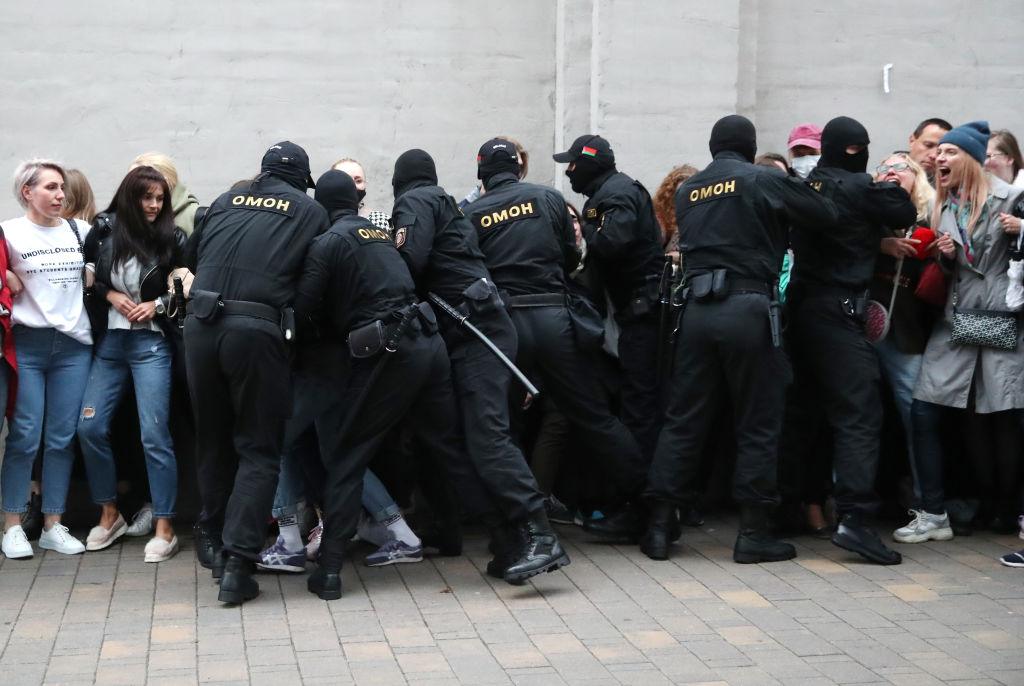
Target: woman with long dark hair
(135, 248)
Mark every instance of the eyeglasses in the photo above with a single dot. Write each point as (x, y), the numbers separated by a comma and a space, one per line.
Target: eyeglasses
(886, 168)
(997, 153)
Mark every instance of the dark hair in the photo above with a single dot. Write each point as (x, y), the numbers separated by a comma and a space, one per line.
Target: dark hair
(132, 234)
(1006, 143)
(934, 121)
(773, 160)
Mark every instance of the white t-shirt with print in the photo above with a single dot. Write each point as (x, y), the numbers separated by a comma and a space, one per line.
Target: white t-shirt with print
(49, 262)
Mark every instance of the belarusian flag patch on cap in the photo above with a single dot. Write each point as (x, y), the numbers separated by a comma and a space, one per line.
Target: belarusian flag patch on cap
(590, 152)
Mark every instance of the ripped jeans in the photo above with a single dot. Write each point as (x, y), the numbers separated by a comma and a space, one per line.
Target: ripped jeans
(144, 358)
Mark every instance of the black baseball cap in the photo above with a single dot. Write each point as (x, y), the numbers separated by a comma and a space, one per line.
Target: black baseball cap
(496, 149)
(587, 145)
(288, 157)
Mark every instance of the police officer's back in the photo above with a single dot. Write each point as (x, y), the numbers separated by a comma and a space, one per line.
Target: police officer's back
(440, 247)
(529, 244)
(624, 244)
(836, 368)
(246, 256)
(732, 221)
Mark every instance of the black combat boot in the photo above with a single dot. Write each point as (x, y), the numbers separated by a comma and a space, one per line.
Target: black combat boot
(237, 584)
(506, 545)
(208, 547)
(854, 535)
(755, 543)
(626, 524)
(325, 583)
(541, 551)
(662, 529)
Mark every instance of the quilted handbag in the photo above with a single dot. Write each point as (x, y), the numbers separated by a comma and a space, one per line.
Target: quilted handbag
(984, 328)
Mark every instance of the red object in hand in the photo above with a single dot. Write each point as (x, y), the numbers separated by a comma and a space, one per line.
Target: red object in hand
(927, 237)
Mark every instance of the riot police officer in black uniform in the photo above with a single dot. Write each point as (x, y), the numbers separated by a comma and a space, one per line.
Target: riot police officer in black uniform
(624, 245)
(246, 257)
(836, 367)
(357, 289)
(528, 242)
(440, 247)
(733, 222)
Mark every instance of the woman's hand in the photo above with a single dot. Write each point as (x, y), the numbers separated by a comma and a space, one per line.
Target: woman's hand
(946, 246)
(899, 247)
(14, 284)
(120, 302)
(1011, 224)
(143, 312)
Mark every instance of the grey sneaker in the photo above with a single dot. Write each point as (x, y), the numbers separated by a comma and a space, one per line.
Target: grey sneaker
(393, 552)
(142, 522)
(924, 527)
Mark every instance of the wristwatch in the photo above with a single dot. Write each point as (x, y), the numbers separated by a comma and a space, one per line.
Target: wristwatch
(160, 308)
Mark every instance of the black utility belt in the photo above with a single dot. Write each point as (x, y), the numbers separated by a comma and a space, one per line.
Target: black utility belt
(207, 307)
(718, 285)
(370, 339)
(516, 302)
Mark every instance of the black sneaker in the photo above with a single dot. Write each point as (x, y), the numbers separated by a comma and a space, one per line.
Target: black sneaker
(854, 536)
(557, 511)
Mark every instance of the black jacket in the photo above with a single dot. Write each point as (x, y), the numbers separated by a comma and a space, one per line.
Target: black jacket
(735, 215)
(251, 243)
(623, 236)
(526, 235)
(437, 242)
(99, 251)
(844, 256)
(352, 275)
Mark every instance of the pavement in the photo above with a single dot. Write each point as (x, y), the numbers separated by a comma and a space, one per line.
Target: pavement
(950, 614)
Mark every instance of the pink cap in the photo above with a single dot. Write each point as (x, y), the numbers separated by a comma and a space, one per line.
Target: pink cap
(805, 134)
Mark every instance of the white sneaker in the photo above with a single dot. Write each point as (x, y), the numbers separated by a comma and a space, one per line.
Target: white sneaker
(16, 545)
(158, 549)
(924, 527)
(60, 540)
(142, 522)
(100, 538)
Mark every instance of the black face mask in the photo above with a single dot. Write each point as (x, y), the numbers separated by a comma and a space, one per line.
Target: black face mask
(361, 192)
(413, 166)
(493, 167)
(734, 133)
(839, 134)
(583, 173)
(335, 190)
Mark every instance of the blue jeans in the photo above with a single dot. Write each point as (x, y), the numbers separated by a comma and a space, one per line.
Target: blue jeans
(142, 357)
(53, 369)
(901, 371)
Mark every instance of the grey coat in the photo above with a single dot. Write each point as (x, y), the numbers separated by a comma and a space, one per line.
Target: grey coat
(949, 370)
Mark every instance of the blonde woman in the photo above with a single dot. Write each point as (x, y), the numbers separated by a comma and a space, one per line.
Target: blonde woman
(79, 201)
(974, 248)
(54, 354)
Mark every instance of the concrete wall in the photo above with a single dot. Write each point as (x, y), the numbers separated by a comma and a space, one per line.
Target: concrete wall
(213, 84)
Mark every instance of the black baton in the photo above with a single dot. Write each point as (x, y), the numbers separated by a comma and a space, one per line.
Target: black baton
(463, 321)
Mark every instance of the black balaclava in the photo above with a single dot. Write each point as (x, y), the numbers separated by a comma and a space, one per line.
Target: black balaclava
(734, 133)
(336, 190)
(496, 156)
(836, 136)
(585, 170)
(413, 166)
(289, 162)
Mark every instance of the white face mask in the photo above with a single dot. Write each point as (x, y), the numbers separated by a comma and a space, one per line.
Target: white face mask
(803, 165)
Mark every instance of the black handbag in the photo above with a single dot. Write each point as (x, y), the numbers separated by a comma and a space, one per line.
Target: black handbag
(983, 328)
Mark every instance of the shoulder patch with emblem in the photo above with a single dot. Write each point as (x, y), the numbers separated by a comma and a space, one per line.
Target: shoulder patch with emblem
(400, 234)
(591, 213)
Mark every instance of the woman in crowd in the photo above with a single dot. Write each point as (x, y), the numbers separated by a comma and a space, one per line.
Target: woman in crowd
(1003, 158)
(54, 353)
(974, 249)
(79, 202)
(131, 266)
(901, 351)
(665, 207)
(354, 169)
(183, 203)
